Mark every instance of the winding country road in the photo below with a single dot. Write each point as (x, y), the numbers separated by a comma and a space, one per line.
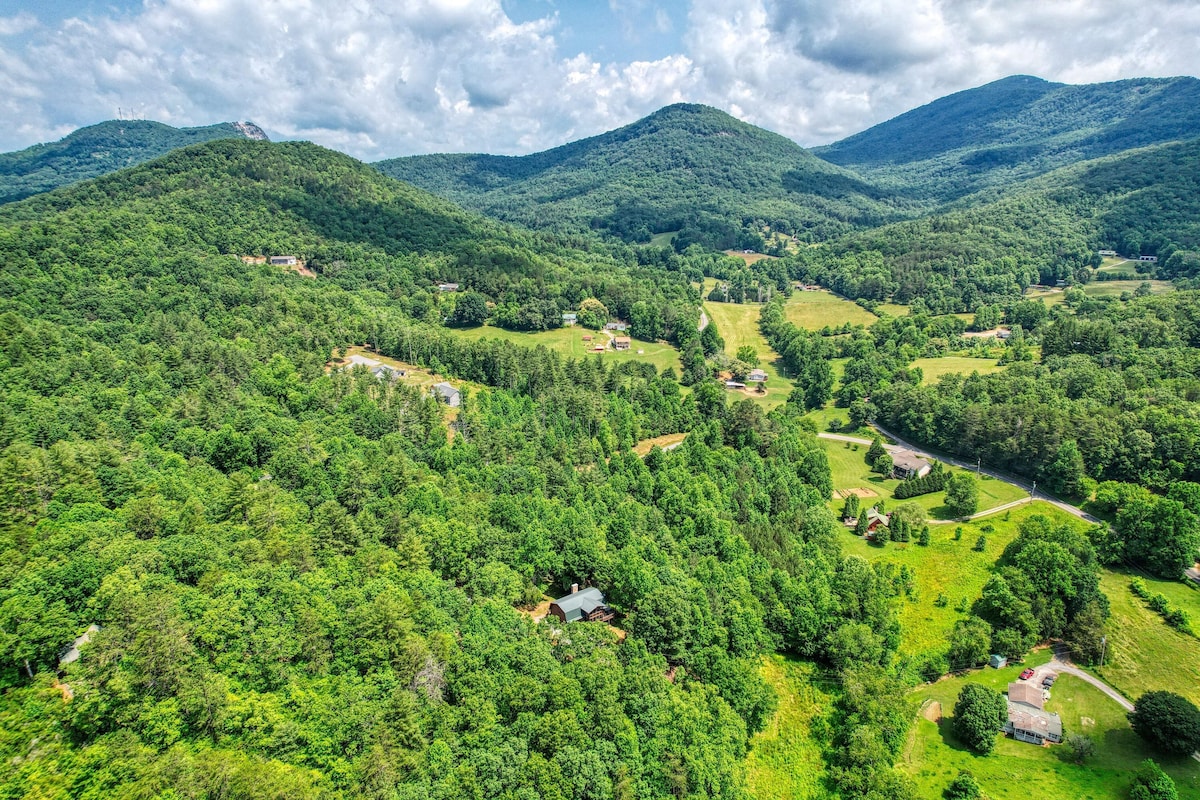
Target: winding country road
(1060, 663)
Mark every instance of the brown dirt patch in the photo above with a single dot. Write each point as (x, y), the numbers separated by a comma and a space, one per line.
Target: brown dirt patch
(932, 711)
(860, 491)
(538, 612)
(643, 447)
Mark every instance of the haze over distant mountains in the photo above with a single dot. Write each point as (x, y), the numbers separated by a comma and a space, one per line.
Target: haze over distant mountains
(100, 149)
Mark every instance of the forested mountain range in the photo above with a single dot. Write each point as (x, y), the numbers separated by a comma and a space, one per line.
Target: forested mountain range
(1016, 128)
(686, 168)
(1144, 202)
(100, 149)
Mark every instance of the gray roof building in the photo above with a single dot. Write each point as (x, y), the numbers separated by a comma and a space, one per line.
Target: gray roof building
(583, 605)
(1027, 720)
(907, 464)
(447, 394)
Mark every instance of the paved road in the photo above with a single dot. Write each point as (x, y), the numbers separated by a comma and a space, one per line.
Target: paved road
(1193, 574)
(1061, 663)
(1001, 476)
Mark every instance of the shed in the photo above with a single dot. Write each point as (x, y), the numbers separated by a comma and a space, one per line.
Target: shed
(757, 376)
(734, 385)
(570, 318)
(284, 261)
(998, 661)
(447, 394)
(582, 605)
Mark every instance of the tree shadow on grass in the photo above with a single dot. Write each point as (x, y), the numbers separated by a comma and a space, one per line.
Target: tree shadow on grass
(946, 731)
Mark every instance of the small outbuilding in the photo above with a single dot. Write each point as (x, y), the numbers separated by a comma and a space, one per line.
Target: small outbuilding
(621, 342)
(283, 261)
(997, 661)
(586, 605)
(757, 376)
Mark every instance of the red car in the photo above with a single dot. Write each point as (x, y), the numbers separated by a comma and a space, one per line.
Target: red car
(1027, 674)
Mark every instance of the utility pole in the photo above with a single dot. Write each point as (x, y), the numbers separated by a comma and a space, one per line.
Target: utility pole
(1033, 494)
(1103, 644)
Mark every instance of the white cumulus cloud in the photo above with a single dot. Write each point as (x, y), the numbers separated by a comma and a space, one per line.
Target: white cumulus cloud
(386, 79)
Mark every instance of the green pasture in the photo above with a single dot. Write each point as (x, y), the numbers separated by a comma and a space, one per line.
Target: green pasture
(1116, 288)
(934, 368)
(1016, 770)
(892, 309)
(569, 342)
(738, 325)
(784, 762)
(949, 567)
(662, 239)
(815, 310)
(1144, 653)
(1051, 297)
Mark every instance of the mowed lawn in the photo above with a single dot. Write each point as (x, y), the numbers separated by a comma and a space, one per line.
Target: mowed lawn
(948, 567)
(1018, 771)
(1145, 653)
(815, 310)
(848, 470)
(934, 368)
(569, 342)
(738, 325)
(784, 762)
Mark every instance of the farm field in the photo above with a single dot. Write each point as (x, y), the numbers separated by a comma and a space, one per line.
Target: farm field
(1140, 644)
(662, 239)
(1015, 770)
(1051, 297)
(738, 325)
(1115, 288)
(815, 310)
(569, 342)
(893, 309)
(749, 258)
(784, 762)
(934, 368)
(947, 567)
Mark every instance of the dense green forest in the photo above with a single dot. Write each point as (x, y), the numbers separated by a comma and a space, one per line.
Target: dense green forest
(1041, 232)
(100, 149)
(686, 168)
(1013, 129)
(307, 584)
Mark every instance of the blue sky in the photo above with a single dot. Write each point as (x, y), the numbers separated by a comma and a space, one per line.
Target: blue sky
(379, 79)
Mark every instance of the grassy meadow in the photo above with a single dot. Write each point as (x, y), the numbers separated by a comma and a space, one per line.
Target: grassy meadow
(738, 325)
(569, 342)
(1145, 653)
(948, 567)
(784, 762)
(1116, 288)
(815, 310)
(934, 368)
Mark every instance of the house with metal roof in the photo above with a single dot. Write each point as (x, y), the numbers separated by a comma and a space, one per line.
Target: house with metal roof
(582, 605)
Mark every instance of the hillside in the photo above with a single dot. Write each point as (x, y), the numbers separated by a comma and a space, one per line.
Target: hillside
(687, 168)
(1047, 229)
(1016, 128)
(100, 149)
(309, 583)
